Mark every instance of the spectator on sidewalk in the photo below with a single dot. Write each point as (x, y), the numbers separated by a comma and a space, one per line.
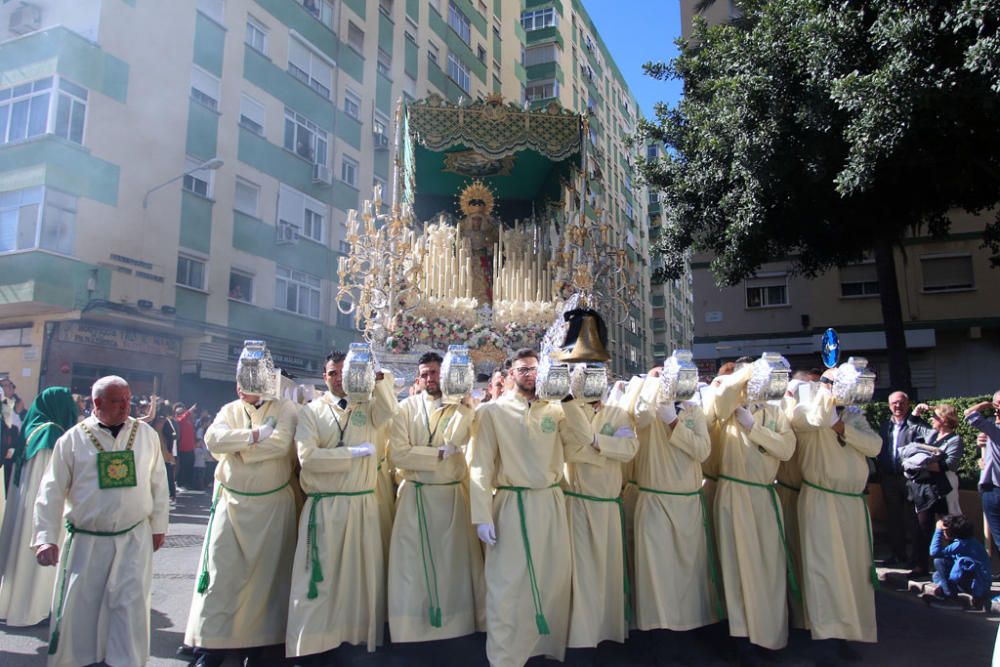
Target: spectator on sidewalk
(198, 477)
(989, 477)
(184, 419)
(961, 564)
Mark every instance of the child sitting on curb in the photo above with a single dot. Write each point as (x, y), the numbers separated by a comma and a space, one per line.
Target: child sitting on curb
(961, 564)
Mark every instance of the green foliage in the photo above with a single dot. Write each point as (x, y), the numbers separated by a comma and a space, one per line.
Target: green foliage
(819, 129)
(968, 472)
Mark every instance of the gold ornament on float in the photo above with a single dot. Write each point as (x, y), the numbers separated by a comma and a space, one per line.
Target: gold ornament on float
(476, 199)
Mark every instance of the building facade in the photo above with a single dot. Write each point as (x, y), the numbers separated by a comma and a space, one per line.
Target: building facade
(175, 176)
(949, 312)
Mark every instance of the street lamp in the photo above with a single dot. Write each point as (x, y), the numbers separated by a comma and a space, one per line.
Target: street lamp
(210, 165)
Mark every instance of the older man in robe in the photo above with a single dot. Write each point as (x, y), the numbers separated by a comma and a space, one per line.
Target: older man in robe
(107, 483)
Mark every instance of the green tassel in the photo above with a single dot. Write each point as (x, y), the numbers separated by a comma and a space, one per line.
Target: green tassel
(435, 616)
(543, 625)
(314, 578)
(203, 582)
(54, 643)
(313, 593)
(874, 576)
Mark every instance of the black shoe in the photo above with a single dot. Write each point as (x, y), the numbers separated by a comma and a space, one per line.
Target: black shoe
(847, 652)
(185, 651)
(210, 660)
(892, 561)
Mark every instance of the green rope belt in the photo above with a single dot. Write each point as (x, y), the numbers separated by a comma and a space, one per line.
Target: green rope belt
(793, 582)
(430, 573)
(536, 596)
(707, 476)
(713, 570)
(632, 482)
(72, 530)
(621, 514)
(312, 545)
(787, 486)
(203, 577)
(872, 572)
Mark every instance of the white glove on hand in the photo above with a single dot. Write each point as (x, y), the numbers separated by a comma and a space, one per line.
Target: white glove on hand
(364, 449)
(624, 432)
(666, 412)
(744, 417)
(487, 533)
(793, 386)
(834, 418)
(264, 431)
(446, 450)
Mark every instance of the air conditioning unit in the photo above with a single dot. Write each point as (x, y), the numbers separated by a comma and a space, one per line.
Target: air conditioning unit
(26, 18)
(381, 141)
(287, 234)
(322, 174)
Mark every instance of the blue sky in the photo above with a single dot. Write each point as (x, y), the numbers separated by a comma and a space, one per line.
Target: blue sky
(635, 32)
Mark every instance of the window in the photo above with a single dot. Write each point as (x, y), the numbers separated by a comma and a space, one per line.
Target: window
(651, 153)
(459, 22)
(204, 88)
(946, 273)
(297, 292)
(379, 183)
(308, 67)
(766, 290)
(197, 181)
(15, 337)
(542, 90)
(355, 37)
(458, 72)
(352, 105)
(240, 286)
(539, 55)
(256, 35)
(629, 212)
(432, 53)
(322, 11)
(304, 138)
(251, 114)
(303, 212)
(37, 218)
(384, 63)
(47, 106)
(212, 9)
(379, 124)
(385, 6)
(538, 19)
(247, 196)
(190, 272)
(349, 171)
(858, 280)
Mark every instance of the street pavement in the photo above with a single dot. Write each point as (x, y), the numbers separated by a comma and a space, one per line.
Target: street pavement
(911, 633)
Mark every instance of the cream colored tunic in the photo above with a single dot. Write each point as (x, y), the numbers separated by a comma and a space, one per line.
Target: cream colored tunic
(836, 534)
(349, 601)
(630, 491)
(748, 518)
(106, 580)
(670, 520)
(25, 586)
(789, 479)
(521, 446)
(435, 561)
(251, 538)
(596, 527)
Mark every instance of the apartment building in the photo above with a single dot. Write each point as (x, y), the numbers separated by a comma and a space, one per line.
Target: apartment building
(949, 309)
(175, 176)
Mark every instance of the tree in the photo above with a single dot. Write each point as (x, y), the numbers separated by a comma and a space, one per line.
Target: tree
(823, 131)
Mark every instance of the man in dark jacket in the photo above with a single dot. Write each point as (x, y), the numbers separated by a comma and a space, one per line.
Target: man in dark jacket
(898, 431)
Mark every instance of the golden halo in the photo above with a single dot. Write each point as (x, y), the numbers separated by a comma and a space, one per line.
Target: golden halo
(476, 198)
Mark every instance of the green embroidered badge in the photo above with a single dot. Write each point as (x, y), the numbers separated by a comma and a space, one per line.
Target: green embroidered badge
(689, 423)
(548, 424)
(359, 419)
(608, 429)
(116, 469)
(772, 425)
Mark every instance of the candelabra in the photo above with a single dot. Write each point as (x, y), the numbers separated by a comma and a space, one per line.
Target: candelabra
(380, 278)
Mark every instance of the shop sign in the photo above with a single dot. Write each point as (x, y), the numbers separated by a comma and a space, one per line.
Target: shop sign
(118, 339)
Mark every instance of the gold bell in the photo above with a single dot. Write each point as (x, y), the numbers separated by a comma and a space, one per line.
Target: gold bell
(586, 338)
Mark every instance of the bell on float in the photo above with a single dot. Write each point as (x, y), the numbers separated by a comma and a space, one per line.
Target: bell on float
(586, 337)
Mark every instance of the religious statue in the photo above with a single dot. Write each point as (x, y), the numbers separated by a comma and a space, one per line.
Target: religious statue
(481, 229)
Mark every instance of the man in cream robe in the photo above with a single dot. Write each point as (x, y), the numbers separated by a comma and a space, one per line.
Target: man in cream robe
(671, 518)
(517, 450)
(835, 527)
(240, 599)
(338, 583)
(436, 586)
(601, 606)
(749, 523)
(101, 603)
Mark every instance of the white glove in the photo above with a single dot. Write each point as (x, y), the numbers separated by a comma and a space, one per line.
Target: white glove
(364, 449)
(264, 431)
(744, 417)
(487, 533)
(446, 450)
(666, 412)
(793, 386)
(624, 432)
(834, 418)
